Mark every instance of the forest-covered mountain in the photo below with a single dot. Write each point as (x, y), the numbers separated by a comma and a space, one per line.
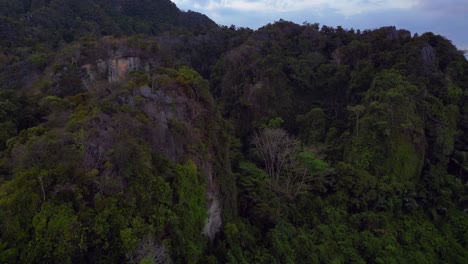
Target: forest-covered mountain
(133, 132)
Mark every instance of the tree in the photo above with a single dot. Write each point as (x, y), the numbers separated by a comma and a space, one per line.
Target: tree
(289, 169)
(276, 148)
(357, 110)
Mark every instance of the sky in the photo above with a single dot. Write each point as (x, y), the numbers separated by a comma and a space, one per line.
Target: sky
(448, 18)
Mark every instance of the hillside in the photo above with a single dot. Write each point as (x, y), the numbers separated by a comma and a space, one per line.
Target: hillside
(133, 132)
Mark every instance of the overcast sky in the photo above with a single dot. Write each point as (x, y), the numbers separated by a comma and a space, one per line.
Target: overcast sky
(445, 17)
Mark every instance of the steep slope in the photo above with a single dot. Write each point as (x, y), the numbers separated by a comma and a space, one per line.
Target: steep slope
(126, 163)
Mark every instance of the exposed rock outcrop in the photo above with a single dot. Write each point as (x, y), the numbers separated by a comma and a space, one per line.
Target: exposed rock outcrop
(174, 115)
(428, 54)
(116, 68)
(400, 34)
(165, 108)
(214, 221)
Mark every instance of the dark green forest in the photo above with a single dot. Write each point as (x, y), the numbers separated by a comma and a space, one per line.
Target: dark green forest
(133, 132)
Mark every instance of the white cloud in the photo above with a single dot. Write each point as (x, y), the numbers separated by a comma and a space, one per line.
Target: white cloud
(343, 7)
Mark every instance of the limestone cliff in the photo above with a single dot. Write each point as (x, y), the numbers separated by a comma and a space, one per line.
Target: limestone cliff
(164, 108)
(177, 118)
(114, 69)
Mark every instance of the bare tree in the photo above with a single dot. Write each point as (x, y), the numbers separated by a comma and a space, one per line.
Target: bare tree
(289, 170)
(148, 251)
(276, 148)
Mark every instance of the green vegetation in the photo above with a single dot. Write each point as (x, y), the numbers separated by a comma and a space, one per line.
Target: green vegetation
(137, 133)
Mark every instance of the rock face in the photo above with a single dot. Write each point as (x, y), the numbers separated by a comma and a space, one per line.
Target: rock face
(428, 54)
(400, 34)
(213, 222)
(170, 110)
(163, 108)
(113, 69)
(116, 68)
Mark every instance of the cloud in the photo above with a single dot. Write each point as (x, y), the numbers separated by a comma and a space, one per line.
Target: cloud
(443, 6)
(344, 7)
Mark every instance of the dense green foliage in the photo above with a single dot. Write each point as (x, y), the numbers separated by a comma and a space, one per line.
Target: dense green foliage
(133, 132)
(55, 21)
